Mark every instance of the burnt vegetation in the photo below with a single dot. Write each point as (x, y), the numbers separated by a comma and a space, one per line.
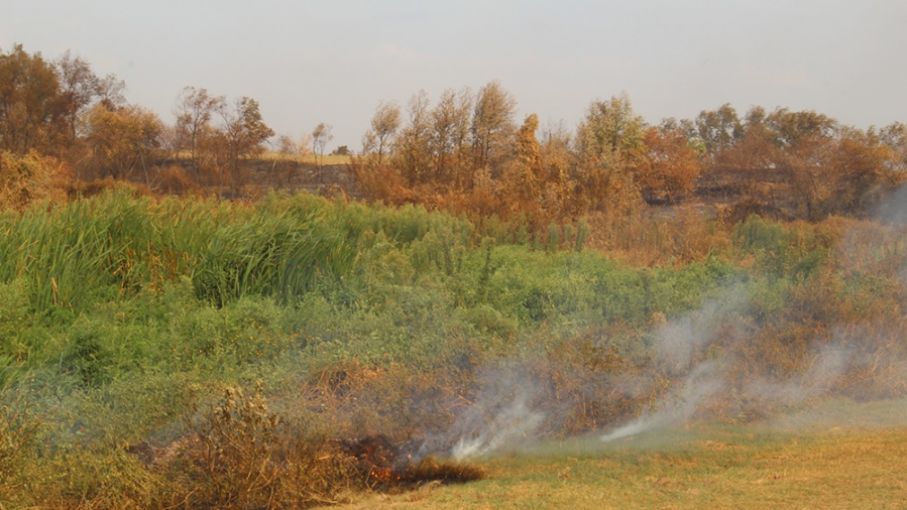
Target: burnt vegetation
(181, 327)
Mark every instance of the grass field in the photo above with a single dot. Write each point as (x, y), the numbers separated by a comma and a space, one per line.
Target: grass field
(699, 467)
(309, 159)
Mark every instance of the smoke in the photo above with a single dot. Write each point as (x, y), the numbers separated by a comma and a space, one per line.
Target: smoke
(701, 384)
(513, 423)
(680, 346)
(893, 209)
(678, 341)
(864, 362)
(518, 402)
(703, 362)
(830, 363)
(867, 361)
(509, 409)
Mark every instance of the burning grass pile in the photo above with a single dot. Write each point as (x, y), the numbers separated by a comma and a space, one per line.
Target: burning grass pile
(241, 455)
(390, 467)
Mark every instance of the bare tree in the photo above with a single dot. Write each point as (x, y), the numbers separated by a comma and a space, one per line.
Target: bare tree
(492, 125)
(414, 142)
(321, 136)
(194, 112)
(305, 144)
(286, 146)
(450, 120)
(244, 132)
(81, 88)
(384, 126)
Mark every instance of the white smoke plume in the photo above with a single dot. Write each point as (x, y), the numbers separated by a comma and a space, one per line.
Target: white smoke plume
(701, 384)
(830, 360)
(699, 352)
(508, 410)
(510, 425)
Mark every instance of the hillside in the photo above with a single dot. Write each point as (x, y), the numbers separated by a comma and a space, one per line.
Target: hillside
(160, 352)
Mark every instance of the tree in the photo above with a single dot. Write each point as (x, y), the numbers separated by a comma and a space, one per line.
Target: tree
(413, 147)
(244, 132)
(558, 162)
(861, 169)
(80, 88)
(384, 126)
(610, 146)
(719, 129)
(195, 110)
(321, 136)
(286, 146)
(611, 133)
(528, 149)
(895, 137)
(450, 135)
(791, 128)
(121, 140)
(671, 165)
(755, 150)
(32, 113)
(523, 178)
(492, 126)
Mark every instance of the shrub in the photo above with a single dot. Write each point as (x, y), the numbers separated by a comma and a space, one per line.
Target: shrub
(30, 178)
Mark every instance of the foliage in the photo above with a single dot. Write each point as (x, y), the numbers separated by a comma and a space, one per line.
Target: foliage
(31, 112)
(31, 178)
(121, 140)
(130, 324)
(124, 318)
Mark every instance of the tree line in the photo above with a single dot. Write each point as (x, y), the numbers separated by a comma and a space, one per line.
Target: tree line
(465, 151)
(62, 114)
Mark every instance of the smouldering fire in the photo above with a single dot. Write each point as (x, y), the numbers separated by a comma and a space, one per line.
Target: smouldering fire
(386, 464)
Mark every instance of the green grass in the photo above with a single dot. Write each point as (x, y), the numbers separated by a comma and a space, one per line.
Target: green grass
(121, 317)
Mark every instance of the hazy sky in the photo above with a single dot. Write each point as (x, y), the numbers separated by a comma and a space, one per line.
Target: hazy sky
(308, 61)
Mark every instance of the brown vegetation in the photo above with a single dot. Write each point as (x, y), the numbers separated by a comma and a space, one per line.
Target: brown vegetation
(466, 152)
(31, 177)
(241, 455)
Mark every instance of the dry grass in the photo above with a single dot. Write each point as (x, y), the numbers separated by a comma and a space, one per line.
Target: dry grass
(651, 236)
(32, 177)
(308, 159)
(240, 455)
(707, 469)
(175, 180)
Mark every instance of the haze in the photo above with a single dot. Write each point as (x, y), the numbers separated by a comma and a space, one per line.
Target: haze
(333, 61)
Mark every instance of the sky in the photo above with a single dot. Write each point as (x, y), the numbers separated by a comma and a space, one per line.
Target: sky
(333, 61)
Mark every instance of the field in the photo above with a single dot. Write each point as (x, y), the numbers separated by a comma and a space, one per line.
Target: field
(308, 159)
(702, 468)
(480, 308)
(293, 351)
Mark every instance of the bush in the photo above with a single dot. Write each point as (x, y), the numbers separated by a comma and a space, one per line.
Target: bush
(31, 178)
